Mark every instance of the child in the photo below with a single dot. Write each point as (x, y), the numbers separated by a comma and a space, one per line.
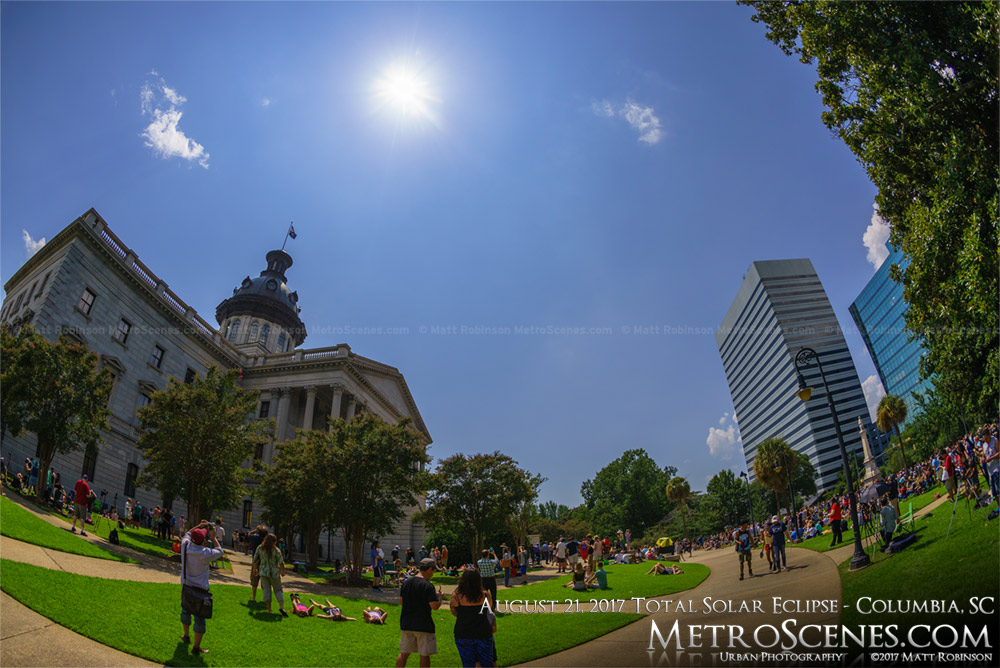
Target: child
(298, 608)
(330, 611)
(374, 615)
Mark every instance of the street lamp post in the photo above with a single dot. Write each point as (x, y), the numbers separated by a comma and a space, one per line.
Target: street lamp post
(803, 360)
(746, 479)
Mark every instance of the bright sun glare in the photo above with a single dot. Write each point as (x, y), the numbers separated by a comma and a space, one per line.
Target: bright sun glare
(406, 92)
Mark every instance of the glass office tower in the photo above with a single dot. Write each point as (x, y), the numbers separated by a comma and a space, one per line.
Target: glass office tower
(878, 312)
(780, 308)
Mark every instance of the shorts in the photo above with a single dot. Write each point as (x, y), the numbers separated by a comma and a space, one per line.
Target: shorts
(199, 623)
(472, 651)
(746, 555)
(419, 642)
(560, 560)
(949, 484)
(378, 571)
(80, 511)
(573, 558)
(254, 578)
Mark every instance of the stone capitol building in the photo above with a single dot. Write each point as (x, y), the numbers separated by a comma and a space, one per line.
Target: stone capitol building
(87, 284)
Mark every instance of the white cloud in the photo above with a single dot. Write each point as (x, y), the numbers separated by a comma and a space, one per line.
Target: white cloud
(265, 102)
(163, 134)
(723, 442)
(875, 238)
(642, 119)
(31, 245)
(874, 392)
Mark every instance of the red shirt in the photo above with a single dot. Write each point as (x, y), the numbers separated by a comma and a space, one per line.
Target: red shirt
(82, 491)
(835, 512)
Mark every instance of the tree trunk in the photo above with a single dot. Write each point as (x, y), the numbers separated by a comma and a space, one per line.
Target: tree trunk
(902, 451)
(46, 452)
(684, 518)
(357, 550)
(194, 506)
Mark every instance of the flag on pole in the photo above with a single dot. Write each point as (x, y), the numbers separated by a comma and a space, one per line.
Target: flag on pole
(291, 230)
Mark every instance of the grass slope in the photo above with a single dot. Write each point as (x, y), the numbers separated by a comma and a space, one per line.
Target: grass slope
(146, 623)
(20, 524)
(624, 581)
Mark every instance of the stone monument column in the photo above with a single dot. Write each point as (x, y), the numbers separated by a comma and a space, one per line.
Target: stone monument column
(307, 420)
(351, 405)
(338, 397)
(284, 402)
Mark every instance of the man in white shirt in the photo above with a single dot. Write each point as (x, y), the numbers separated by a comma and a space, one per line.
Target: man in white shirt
(195, 560)
(560, 556)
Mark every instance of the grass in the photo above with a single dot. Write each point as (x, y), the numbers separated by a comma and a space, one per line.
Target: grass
(965, 565)
(821, 543)
(624, 581)
(21, 524)
(146, 623)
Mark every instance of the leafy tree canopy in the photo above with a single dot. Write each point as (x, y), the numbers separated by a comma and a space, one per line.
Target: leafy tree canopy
(911, 88)
(55, 390)
(195, 438)
(628, 493)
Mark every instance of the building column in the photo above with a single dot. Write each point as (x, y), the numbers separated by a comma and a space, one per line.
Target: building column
(307, 420)
(338, 397)
(284, 403)
(351, 405)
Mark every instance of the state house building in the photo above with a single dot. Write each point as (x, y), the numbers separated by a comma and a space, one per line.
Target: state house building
(87, 284)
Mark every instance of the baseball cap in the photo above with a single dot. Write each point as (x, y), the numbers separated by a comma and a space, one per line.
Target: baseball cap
(428, 563)
(198, 536)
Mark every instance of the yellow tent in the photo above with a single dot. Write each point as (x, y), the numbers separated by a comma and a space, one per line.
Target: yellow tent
(664, 542)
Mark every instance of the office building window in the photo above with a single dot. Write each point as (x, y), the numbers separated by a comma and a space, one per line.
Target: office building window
(122, 331)
(86, 302)
(131, 475)
(156, 359)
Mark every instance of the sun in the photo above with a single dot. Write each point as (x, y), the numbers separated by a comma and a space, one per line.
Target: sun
(406, 91)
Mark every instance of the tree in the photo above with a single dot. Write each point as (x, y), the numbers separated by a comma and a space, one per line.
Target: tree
(524, 512)
(376, 473)
(727, 493)
(774, 463)
(196, 436)
(476, 492)
(56, 391)
(911, 89)
(679, 490)
(890, 414)
(627, 494)
(555, 512)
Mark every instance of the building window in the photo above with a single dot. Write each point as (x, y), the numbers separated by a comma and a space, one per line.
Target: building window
(156, 359)
(190, 375)
(17, 304)
(265, 332)
(252, 332)
(131, 475)
(31, 292)
(265, 408)
(90, 462)
(247, 514)
(44, 281)
(86, 301)
(281, 342)
(144, 400)
(122, 331)
(234, 332)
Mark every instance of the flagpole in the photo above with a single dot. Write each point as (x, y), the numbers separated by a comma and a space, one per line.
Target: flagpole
(286, 235)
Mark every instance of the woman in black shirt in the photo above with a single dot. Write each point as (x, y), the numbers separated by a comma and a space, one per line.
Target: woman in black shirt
(471, 605)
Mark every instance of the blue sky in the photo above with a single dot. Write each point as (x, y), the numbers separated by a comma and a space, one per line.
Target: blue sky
(597, 166)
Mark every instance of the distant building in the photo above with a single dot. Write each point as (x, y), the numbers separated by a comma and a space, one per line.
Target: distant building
(879, 313)
(88, 284)
(780, 308)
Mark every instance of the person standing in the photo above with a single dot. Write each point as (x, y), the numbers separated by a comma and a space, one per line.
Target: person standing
(195, 559)
(889, 516)
(81, 498)
(444, 557)
(378, 566)
(473, 629)
(488, 570)
(572, 551)
(270, 566)
(777, 531)
(256, 538)
(560, 556)
(743, 548)
(418, 597)
(522, 560)
(836, 517)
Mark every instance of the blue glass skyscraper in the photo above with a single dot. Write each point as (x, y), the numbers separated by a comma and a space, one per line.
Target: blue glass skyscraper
(878, 312)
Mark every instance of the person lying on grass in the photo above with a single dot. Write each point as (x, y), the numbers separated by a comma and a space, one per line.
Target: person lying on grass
(298, 608)
(330, 611)
(660, 569)
(374, 615)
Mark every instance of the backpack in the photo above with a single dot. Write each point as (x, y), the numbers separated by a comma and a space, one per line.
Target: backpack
(113, 537)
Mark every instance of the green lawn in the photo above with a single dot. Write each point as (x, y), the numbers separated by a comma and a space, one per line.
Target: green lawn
(821, 543)
(965, 565)
(624, 581)
(20, 524)
(146, 623)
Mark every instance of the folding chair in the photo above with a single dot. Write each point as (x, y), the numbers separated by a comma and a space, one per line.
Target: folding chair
(907, 521)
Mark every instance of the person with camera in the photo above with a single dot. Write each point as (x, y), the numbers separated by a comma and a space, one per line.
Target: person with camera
(196, 601)
(487, 570)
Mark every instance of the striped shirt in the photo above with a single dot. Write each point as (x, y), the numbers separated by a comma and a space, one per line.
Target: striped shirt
(487, 567)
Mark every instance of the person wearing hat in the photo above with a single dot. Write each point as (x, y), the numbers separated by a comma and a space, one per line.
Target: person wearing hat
(777, 531)
(81, 499)
(195, 559)
(418, 598)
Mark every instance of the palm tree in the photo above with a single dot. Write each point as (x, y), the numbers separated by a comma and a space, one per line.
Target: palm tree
(678, 491)
(773, 454)
(890, 414)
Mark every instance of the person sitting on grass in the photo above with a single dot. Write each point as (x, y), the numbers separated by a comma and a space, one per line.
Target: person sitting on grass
(599, 580)
(660, 569)
(330, 611)
(374, 615)
(579, 580)
(298, 608)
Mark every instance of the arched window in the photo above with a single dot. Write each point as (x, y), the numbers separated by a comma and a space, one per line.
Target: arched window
(281, 342)
(234, 332)
(252, 332)
(265, 332)
(288, 346)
